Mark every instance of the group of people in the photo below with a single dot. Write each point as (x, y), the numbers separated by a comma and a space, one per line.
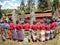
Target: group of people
(19, 31)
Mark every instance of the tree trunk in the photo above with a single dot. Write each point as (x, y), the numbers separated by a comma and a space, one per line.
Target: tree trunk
(32, 17)
(14, 16)
(55, 14)
(23, 16)
(32, 11)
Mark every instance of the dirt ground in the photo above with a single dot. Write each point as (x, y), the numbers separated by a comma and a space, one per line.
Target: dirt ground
(55, 41)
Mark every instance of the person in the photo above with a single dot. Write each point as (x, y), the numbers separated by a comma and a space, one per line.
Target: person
(19, 31)
(34, 28)
(26, 27)
(42, 32)
(47, 32)
(57, 27)
(9, 32)
(2, 30)
(53, 27)
(14, 33)
(6, 27)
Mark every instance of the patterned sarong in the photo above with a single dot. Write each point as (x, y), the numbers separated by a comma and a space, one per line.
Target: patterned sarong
(42, 34)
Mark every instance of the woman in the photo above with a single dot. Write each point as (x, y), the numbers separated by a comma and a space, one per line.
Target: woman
(19, 31)
(14, 33)
(42, 32)
(47, 36)
(34, 28)
(53, 27)
(26, 27)
(6, 27)
(9, 32)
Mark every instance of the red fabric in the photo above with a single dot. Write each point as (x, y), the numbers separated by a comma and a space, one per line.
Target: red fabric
(39, 20)
(48, 27)
(18, 26)
(42, 27)
(53, 25)
(26, 27)
(12, 26)
(34, 27)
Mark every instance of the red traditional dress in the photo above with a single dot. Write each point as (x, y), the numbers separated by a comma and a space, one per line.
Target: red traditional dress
(19, 32)
(14, 33)
(48, 28)
(53, 26)
(34, 28)
(26, 28)
(42, 32)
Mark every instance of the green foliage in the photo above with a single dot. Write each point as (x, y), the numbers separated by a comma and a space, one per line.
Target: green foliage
(42, 4)
(55, 4)
(0, 14)
(5, 11)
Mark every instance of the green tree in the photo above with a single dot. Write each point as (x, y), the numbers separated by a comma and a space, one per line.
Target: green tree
(55, 10)
(0, 12)
(42, 5)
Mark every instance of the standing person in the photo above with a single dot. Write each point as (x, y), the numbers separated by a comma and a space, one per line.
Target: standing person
(53, 27)
(6, 27)
(19, 31)
(42, 31)
(9, 32)
(34, 28)
(47, 35)
(26, 28)
(2, 31)
(14, 33)
(57, 27)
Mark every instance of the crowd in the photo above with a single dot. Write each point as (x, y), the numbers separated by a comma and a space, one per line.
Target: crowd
(46, 30)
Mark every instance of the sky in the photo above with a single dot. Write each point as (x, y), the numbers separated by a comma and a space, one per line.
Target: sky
(10, 4)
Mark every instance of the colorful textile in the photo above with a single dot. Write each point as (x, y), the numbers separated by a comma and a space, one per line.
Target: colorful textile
(18, 26)
(20, 35)
(42, 33)
(12, 26)
(34, 35)
(34, 27)
(47, 35)
(51, 34)
(14, 34)
(26, 27)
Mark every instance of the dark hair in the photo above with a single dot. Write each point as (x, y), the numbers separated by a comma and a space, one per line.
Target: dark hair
(34, 22)
(17, 22)
(25, 21)
(5, 21)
